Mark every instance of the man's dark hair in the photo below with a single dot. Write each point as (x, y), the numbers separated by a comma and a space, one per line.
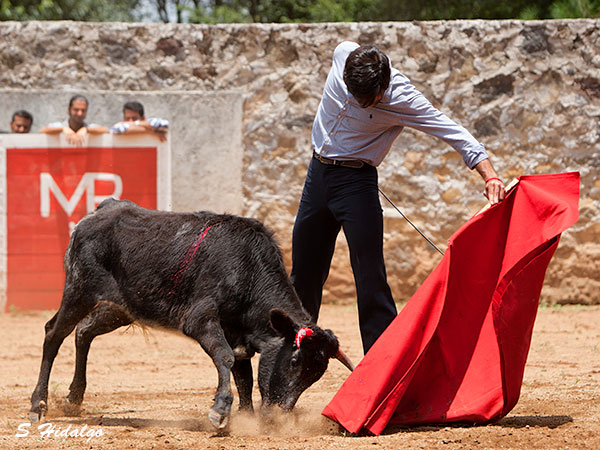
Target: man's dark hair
(24, 114)
(367, 73)
(134, 106)
(78, 97)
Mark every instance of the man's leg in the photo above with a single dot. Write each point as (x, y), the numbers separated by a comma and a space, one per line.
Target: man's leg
(313, 240)
(361, 216)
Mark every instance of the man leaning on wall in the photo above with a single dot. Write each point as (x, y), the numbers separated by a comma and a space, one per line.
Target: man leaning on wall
(134, 122)
(75, 128)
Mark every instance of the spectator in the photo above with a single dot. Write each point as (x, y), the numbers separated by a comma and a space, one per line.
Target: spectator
(75, 128)
(134, 122)
(20, 123)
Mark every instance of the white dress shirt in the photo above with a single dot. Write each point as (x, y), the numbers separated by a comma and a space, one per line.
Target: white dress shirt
(345, 131)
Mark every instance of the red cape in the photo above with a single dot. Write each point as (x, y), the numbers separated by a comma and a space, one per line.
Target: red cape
(457, 350)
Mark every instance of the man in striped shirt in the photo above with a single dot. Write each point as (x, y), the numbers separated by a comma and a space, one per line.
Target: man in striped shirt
(134, 122)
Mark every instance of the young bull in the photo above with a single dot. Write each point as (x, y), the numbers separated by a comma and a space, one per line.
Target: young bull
(218, 279)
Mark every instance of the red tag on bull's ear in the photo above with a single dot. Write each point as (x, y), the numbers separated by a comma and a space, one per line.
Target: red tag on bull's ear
(301, 334)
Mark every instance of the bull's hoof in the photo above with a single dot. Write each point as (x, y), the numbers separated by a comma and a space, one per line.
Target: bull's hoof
(71, 409)
(267, 414)
(219, 421)
(38, 414)
(36, 417)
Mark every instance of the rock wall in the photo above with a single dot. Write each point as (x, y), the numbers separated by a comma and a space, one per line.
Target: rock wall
(530, 91)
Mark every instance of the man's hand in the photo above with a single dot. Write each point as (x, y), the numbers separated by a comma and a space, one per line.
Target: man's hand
(75, 138)
(494, 188)
(161, 133)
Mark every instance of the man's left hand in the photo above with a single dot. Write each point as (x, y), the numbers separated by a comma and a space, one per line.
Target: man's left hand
(494, 190)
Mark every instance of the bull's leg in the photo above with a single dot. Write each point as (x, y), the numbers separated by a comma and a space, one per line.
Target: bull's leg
(242, 375)
(57, 329)
(104, 318)
(210, 336)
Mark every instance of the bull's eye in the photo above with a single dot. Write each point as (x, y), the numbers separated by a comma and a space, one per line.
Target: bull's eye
(294, 362)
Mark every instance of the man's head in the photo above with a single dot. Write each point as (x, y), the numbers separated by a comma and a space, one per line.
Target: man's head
(21, 122)
(133, 111)
(78, 106)
(367, 74)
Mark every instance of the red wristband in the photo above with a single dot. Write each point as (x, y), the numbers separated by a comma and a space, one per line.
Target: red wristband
(493, 178)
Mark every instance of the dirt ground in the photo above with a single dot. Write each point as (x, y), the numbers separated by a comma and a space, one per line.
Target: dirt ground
(152, 390)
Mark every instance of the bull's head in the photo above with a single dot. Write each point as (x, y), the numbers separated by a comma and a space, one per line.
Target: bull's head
(289, 365)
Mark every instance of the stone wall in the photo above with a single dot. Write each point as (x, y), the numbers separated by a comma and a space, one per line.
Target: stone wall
(530, 91)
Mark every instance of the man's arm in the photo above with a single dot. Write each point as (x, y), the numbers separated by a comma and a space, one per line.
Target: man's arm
(50, 129)
(158, 127)
(414, 110)
(72, 137)
(96, 129)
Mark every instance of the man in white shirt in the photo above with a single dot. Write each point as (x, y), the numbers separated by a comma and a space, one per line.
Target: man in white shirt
(75, 128)
(365, 105)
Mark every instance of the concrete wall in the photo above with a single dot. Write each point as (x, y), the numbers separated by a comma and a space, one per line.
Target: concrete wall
(530, 91)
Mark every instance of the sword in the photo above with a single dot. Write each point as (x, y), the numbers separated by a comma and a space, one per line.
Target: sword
(408, 220)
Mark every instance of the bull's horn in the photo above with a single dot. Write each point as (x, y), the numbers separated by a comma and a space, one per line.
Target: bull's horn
(341, 356)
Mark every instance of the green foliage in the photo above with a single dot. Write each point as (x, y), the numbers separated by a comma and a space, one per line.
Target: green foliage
(330, 11)
(213, 11)
(342, 11)
(575, 9)
(82, 10)
(530, 13)
(280, 11)
(459, 9)
(315, 10)
(219, 14)
(245, 11)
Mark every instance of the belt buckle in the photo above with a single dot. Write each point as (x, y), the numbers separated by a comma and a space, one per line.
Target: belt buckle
(324, 160)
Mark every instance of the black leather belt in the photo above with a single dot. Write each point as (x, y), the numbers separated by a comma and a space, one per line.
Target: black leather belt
(354, 163)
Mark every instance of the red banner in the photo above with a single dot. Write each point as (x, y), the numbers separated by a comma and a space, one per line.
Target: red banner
(48, 190)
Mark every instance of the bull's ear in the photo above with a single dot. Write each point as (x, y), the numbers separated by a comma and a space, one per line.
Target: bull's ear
(283, 324)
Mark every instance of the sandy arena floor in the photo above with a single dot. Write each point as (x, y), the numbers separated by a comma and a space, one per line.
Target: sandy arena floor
(152, 390)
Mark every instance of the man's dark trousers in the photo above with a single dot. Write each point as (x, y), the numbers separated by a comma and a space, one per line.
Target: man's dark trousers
(334, 197)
